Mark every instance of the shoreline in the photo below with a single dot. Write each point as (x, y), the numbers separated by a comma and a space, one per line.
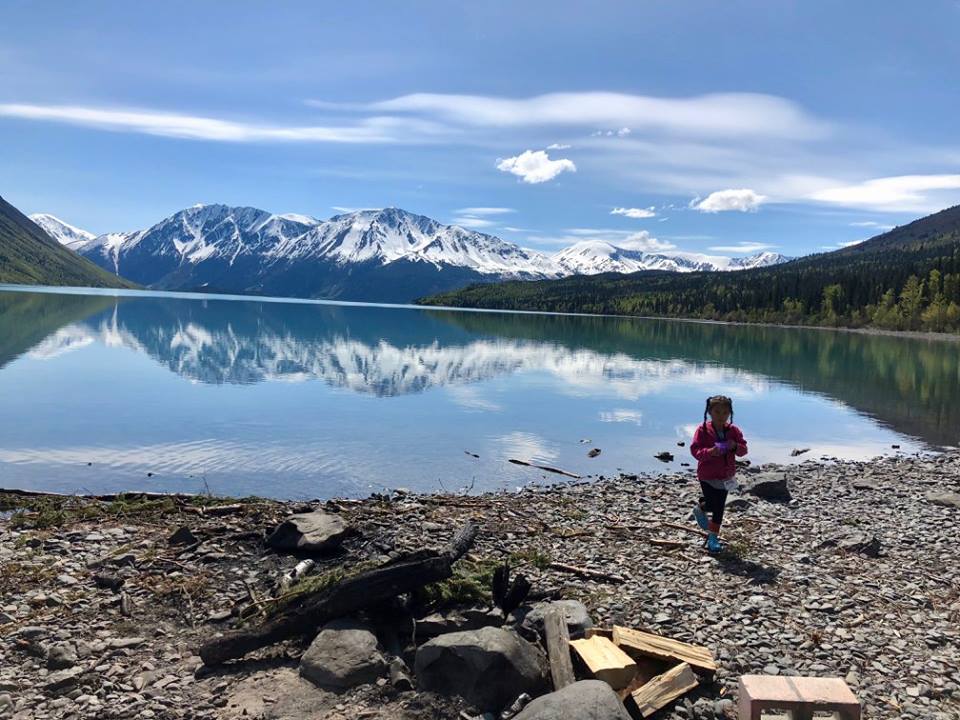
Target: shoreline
(853, 577)
(415, 305)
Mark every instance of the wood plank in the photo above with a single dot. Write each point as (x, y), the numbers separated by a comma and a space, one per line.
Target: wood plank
(558, 649)
(605, 661)
(657, 646)
(664, 689)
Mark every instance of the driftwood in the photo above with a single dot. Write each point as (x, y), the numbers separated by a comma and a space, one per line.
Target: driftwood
(363, 590)
(587, 572)
(558, 471)
(557, 635)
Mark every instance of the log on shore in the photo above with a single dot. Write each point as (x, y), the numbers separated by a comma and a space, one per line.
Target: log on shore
(351, 594)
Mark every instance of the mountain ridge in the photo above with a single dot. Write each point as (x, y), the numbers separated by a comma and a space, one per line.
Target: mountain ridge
(385, 254)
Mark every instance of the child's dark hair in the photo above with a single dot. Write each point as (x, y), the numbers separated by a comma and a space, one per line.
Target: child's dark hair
(717, 400)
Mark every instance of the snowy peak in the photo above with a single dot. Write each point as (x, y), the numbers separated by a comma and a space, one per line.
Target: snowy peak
(64, 233)
(591, 257)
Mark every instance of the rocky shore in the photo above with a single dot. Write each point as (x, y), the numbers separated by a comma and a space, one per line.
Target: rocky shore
(833, 569)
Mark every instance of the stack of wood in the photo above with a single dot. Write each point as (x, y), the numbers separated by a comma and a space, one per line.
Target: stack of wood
(648, 671)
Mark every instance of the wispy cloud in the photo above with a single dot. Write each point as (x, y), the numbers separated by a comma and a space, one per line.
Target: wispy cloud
(469, 221)
(897, 193)
(558, 146)
(196, 127)
(872, 224)
(636, 213)
(739, 199)
(535, 166)
(742, 247)
(485, 210)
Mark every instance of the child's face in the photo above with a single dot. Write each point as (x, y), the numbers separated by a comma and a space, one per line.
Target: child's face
(720, 414)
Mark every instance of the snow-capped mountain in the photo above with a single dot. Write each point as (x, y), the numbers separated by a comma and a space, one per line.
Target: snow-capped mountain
(386, 255)
(591, 257)
(62, 232)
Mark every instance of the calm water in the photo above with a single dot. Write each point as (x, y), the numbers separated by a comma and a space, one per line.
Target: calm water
(304, 399)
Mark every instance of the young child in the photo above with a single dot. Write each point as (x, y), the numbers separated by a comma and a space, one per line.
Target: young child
(715, 445)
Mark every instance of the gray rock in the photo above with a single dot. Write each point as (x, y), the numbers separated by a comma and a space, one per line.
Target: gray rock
(62, 681)
(182, 536)
(489, 667)
(575, 612)
(343, 655)
(868, 545)
(947, 499)
(584, 700)
(61, 656)
(310, 532)
(440, 623)
(769, 486)
(738, 504)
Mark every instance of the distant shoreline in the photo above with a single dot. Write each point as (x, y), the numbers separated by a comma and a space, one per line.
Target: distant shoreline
(199, 295)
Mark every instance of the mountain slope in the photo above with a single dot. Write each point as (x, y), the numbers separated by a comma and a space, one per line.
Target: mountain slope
(29, 256)
(908, 278)
(592, 257)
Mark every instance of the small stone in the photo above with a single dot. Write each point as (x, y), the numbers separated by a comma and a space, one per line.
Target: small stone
(61, 656)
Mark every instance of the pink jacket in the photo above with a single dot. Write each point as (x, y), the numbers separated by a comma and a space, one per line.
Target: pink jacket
(716, 467)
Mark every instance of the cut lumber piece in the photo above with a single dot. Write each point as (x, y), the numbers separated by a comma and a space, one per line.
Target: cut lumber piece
(558, 648)
(354, 593)
(587, 572)
(657, 646)
(602, 632)
(605, 661)
(664, 689)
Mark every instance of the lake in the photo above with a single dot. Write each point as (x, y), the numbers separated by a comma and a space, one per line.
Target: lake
(105, 392)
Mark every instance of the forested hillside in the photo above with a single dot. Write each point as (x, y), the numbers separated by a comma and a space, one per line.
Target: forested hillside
(905, 279)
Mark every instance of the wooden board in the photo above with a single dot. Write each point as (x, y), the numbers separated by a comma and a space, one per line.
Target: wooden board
(657, 646)
(664, 689)
(605, 661)
(558, 648)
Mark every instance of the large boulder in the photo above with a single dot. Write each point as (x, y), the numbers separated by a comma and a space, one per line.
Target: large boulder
(344, 654)
(488, 668)
(316, 531)
(575, 612)
(584, 700)
(769, 486)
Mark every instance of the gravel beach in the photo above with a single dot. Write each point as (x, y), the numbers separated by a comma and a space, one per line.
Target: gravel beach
(834, 568)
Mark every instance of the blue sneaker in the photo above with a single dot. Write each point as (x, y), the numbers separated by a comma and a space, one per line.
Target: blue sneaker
(700, 517)
(714, 545)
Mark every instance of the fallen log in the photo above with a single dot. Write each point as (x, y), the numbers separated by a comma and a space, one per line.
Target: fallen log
(362, 590)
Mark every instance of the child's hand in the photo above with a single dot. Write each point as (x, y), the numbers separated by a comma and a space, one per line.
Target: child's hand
(733, 446)
(715, 451)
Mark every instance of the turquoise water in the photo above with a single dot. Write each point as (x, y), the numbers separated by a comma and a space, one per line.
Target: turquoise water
(102, 392)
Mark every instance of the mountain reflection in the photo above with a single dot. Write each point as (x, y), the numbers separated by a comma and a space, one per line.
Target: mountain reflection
(911, 385)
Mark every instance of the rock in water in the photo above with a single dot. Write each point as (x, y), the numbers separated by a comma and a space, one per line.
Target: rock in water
(584, 700)
(947, 499)
(575, 612)
(769, 486)
(310, 532)
(488, 668)
(344, 654)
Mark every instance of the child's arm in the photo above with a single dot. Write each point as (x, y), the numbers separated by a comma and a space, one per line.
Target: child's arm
(696, 447)
(741, 444)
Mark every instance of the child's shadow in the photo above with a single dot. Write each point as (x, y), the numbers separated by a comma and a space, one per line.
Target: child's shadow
(758, 574)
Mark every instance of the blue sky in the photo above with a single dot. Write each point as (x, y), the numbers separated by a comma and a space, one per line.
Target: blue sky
(711, 127)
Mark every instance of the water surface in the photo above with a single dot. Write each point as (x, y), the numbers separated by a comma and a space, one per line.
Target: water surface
(102, 392)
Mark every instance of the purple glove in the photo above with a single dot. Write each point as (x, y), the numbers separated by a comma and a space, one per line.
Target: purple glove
(722, 446)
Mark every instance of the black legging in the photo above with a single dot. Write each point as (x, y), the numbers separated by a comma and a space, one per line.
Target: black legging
(713, 501)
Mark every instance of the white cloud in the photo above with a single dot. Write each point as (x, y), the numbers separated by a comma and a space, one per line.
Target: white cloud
(740, 199)
(635, 213)
(644, 241)
(722, 114)
(851, 243)
(468, 221)
(535, 166)
(194, 127)
(897, 193)
(485, 210)
(559, 146)
(742, 247)
(342, 209)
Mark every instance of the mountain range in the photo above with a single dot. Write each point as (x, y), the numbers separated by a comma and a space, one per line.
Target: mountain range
(382, 255)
